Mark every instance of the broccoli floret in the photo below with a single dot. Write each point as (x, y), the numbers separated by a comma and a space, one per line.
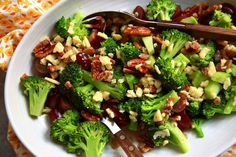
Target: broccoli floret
(210, 109)
(72, 26)
(193, 109)
(197, 126)
(128, 51)
(221, 19)
(171, 77)
(169, 131)
(116, 91)
(220, 77)
(37, 90)
(110, 45)
(131, 105)
(86, 93)
(131, 80)
(176, 40)
(205, 55)
(160, 10)
(63, 128)
(230, 94)
(150, 106)
(72, 74)
(90, 134)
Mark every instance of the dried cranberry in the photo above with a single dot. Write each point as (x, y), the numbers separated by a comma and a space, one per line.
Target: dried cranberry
(95, 40)
(52, 100)
(54, 114)
(84, 60)
(39, 69)
(64, 105)
(139, 12)
(185, 123)
(90, 117)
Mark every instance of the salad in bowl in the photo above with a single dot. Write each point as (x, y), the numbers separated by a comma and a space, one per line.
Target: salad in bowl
(154, 83)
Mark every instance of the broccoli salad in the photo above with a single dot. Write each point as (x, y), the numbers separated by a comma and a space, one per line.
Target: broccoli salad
(155, 84)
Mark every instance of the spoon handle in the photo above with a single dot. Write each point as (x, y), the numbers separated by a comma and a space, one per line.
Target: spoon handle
(130, 149)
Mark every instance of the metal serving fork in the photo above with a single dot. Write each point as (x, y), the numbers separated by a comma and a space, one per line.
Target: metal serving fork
(196, 30)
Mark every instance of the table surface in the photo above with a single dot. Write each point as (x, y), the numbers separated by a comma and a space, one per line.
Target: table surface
(5, 147)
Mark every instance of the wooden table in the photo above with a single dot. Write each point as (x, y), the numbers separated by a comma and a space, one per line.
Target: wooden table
(5, 147)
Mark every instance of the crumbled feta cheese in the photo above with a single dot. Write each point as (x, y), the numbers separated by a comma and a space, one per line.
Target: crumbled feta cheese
(58, 38)
(76, 40)
(122, 80)
(68, 41)
(105, 60)
(86, 42)
(71, 28)
(150, 95)
(139, 92)
(98, 96)
(138, 66)
(227, 83)
(105, 95)
(58, 48)
(61, 66)
(131, 94)
(146, 90)
(157, 116)
(133, 113)
(222, 62)
(52, 59)
(204, 52)
(165, 142)
(196, 92)
(211, 69)
(116, 36)
(103, 35)
(73, 57)
(132, 118)
(67, 54)
(43, 61)
(157, 69)
(52, 81)
(110, 113)
(162, 133)
(190, 70)
(111, 55)
(118, 54)
(113, 81)
(204, 83)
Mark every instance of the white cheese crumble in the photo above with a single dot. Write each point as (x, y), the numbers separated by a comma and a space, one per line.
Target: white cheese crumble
(58, 38)
(103, 35)
(161, 133)
(196, 92)
(157, 116)
(227, 83)
(52, 81)
(98, 97)
(58, 48)
(110, 113)
(204, 52)
(211, 69)
(68, 41)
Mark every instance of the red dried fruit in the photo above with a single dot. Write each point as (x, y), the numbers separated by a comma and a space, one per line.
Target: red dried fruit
(182, 103)
(54, 114)
(88, 116)
(185, 123)
(84, 60)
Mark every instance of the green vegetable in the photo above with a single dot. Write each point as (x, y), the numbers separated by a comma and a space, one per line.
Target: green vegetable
(221, 19)
(171, 77)
(91, 134)
(190, 20)
(150, 106)
(233, 69)
(230, 94)
(193, 109)
(148, 42)
(160, 10)
(131, 80)
(131, 105)
(78, 137)
(128, 51)
(212, 90)
(74, 23)
(197, 126)
(220, 77)
(63, 128)
(37, 90)
(176, 40)
(198, 78)
(208, 49)
(176, 136)
(117, 92)
(110, 45)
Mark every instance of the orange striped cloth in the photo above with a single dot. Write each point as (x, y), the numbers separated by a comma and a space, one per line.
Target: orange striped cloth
(16, 17)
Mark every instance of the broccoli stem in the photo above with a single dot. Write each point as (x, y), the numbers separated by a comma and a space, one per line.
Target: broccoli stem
(220, 77)
(233, 69)
(133, 126)
(131, 80)
(102, 86)
(198, 78)
(182, 60)
(230, 105)
(212, 90)
(148, 42)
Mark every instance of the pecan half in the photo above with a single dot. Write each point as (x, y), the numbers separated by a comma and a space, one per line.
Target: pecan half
(191, 47)
(44, 48)
(137, 31)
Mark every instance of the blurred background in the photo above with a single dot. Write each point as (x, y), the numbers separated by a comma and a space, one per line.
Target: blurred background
(5, 147)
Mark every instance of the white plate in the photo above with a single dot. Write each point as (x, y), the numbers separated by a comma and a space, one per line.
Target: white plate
(34, 133)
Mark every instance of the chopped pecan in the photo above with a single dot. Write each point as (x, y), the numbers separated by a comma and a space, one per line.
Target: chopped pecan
(191, 47)
(218, 67)
(137, 31)
(182, 103)
(89, 51)
(139, 64)
(68, 85)
(229, 52)
(128, 70)
(144, 56)
(205, 71)
(105, 76)
(228, 64)
(158, 39)
(44, 48)
(96, 67)
(217, 100)
(145, 147)
(138, 45)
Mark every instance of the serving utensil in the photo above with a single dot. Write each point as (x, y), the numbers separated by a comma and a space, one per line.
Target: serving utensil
(130, 149)
(196, 30)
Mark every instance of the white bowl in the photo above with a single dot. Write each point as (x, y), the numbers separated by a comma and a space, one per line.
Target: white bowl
(34, 133)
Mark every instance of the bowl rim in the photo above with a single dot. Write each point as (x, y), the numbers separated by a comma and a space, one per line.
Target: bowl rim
(29, 146)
